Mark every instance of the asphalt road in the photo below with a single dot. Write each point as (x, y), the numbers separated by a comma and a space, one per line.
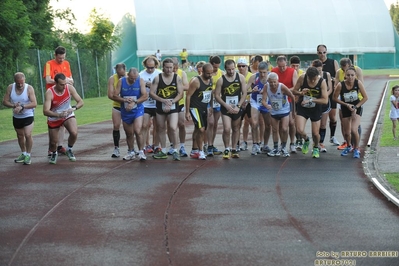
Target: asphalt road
(254, 210)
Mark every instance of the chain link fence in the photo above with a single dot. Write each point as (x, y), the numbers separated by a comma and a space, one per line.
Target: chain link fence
(90, 73)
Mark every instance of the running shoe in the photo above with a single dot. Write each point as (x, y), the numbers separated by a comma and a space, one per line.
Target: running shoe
(129, 156)
(226, 154)
(285, 152)
(70, 155)
(322, 147)
(305, 147)
(254, 149)
(216, 151)
(53, 158)
(202, 155)
(356, 153)
(244, 146)
(205, 148)
(195, 154)
(258, 149)
(292, 148)
(116, 153)
(49, 154)
(274, 153)
(171, 150)
(235, 154)
(183, 152)
(142, 156)
(266, 149)
(62, 151)
(299, 144)
(346, 151)
(159, 155)
(315, 153)
(334, 141)
(20, 159)
(210, 151)
(176, 156)
(149, 149)
(342, 146)
(27, 160)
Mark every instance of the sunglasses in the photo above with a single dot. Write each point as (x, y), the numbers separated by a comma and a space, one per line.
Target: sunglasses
(149, 67)
(321, 52)
(241, 66)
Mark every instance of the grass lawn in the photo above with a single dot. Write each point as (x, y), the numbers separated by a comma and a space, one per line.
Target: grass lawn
(386, 139)
(94, 110)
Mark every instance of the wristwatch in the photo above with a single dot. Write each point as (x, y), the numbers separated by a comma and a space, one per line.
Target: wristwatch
(239, 106)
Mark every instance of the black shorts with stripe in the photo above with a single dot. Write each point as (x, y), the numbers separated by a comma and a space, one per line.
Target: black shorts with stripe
(200, 117)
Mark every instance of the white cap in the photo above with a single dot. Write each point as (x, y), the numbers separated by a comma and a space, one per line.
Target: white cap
(242, 61)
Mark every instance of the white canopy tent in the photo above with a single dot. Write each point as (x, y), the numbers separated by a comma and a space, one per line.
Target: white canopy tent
(237, 27)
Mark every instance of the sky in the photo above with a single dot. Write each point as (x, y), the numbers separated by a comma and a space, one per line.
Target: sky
(112, 9)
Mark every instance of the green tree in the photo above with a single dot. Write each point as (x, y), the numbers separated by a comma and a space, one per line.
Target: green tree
(15, 38)
(394, 12)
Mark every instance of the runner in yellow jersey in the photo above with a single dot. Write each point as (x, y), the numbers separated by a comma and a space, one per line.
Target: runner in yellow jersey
(120, 70)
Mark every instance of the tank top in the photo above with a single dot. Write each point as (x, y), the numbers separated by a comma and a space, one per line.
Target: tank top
(231, 91)
(286, 76)
(147, 77)
(23, 98)
(202, 96)
(167, 91)
(60, 103)
(350, 96)
(215, 78)
(130, 91)
(329, 66)
(115, 103)
(257, 96)
(278, 101)
(313, 93)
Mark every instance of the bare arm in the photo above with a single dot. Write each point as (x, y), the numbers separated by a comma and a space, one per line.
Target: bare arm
(359, 74)
(243, 90)
(111, 88)
(143, 92)
(364, 94)
(185, 83)
(7, 98)
(193, 86)
(76, 97)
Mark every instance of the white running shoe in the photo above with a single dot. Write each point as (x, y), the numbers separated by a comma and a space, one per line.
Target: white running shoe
(129, 156)
(285, 152)
(292, 148)
(202, 155)
(334, 141)
(142, 156)
(116, 153)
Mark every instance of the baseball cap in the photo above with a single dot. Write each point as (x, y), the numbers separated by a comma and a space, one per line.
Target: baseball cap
(242, 61)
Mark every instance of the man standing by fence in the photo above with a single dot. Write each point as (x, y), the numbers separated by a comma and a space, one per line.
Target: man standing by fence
(52, 68)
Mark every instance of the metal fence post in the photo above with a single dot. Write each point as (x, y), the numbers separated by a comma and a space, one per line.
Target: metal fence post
(80, 73)
(40, 76)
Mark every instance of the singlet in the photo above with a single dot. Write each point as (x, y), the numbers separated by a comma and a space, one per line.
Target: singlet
(115, 103)
(215, 78)
(278, 101)
(166, 91)
(52, 68)
(329, 66)
(285, 77)
(147, 77)
(60, 103)
(202, 96)
(314, 93)
(231, 91)
(350, 96)
(23, 98)
(180, 74)
(257, 96)
(130, 91)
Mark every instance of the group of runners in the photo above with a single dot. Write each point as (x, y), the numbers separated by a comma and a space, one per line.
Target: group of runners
(276, 101)
(270, 100)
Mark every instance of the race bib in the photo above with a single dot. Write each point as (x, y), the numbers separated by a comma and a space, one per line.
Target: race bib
(172, 107)
(150, 102)
(216, 104)
(232, 100)
(350, 96)
(277, 104)
(134, 98)
(206, 97)
(259, 99)
(308, 105)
